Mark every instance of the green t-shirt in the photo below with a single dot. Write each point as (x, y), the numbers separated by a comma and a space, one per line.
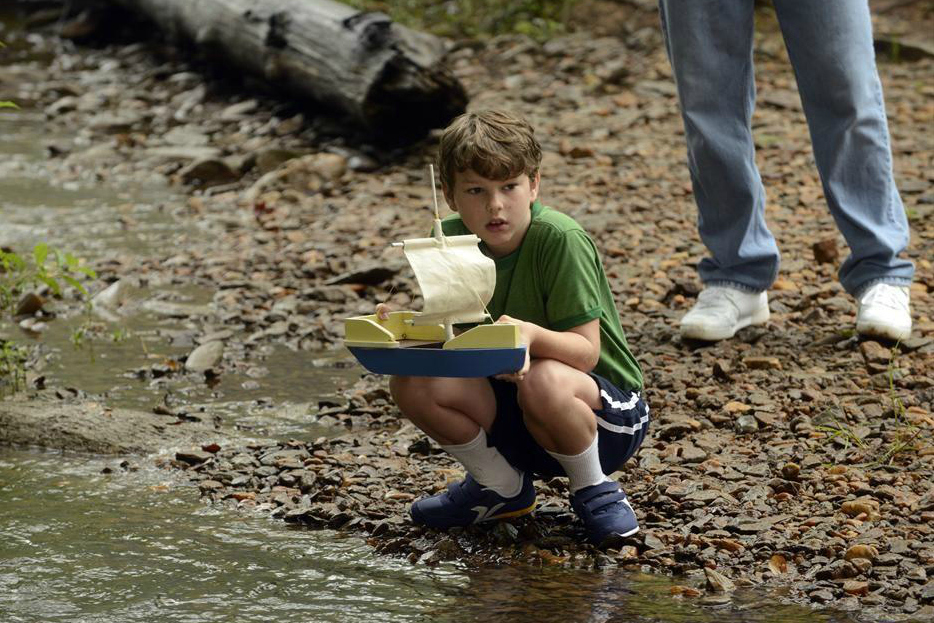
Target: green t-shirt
(556, 280)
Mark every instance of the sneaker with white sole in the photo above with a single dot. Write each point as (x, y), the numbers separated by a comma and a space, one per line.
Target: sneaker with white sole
(721, 311)
(884, 312)
(607, 515)
(468, 502)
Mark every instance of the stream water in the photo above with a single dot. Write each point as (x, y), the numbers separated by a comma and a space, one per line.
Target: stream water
(136, 544)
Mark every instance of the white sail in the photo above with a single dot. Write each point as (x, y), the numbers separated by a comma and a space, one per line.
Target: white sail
(456, 279)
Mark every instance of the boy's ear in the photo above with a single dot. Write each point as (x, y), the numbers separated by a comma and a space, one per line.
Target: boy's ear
(448, 198)
(534, 183)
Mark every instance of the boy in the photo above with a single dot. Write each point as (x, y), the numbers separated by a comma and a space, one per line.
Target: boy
(574, 408)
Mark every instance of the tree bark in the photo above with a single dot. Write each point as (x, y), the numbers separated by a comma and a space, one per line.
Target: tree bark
(381, 75)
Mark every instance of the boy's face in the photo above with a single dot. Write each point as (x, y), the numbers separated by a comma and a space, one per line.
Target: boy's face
(498, 211)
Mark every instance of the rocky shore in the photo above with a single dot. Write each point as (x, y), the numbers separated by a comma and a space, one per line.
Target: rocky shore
(796, 457)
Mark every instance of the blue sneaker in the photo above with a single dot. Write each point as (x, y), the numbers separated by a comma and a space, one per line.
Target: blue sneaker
(468, 502)
(606, 513)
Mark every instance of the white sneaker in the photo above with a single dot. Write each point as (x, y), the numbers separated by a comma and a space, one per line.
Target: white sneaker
(883, 312)
(720, 312)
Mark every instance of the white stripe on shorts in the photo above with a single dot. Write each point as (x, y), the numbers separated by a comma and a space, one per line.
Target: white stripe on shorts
(616, 428)
(622, 406)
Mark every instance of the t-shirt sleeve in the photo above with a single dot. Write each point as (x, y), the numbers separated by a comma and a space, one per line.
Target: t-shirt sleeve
(571, 275)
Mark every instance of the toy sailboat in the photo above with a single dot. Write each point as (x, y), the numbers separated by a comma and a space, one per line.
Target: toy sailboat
(457, 282)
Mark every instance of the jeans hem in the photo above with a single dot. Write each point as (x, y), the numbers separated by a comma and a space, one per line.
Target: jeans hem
(742, 287)
(892, 281)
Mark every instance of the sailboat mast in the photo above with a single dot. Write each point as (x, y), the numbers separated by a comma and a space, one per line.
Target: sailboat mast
(434, 195)
(439, 235)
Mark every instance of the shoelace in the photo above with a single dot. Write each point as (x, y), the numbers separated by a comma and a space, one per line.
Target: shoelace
(890, 297)
(712, 298)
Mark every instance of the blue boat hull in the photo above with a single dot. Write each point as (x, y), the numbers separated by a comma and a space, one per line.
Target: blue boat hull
(465, 363)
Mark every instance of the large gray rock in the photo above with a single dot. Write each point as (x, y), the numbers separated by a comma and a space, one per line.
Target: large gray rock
(92, 427)
(205, 357)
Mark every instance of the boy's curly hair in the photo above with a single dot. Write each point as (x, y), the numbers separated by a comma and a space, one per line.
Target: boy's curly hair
(493, 143)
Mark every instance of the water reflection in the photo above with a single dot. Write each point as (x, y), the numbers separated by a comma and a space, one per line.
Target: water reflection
(77, 545)
(552, 595)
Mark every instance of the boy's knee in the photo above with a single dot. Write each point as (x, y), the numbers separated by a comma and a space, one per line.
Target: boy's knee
(543, 387)
(543, 380)
(407, 391)
(418, 391)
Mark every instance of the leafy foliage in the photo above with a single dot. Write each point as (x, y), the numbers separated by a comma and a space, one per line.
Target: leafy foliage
(12, 367)
(539, 19)
(6, 103)
(46, 267)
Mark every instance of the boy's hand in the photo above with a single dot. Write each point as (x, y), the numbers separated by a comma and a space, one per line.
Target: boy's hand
(526, 333)
(382, 311)
(517, 377)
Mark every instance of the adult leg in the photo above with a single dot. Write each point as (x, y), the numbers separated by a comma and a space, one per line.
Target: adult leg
(831, 49)
(709, 44)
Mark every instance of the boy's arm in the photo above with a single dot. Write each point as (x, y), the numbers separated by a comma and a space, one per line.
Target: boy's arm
(578, 347)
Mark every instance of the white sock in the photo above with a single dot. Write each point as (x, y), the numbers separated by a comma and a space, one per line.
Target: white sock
(583, 469)
(487, 465)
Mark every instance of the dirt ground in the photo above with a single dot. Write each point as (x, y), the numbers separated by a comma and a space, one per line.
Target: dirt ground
(797, 456)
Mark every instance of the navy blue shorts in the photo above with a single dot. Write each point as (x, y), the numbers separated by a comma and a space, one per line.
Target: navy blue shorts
(621, 427)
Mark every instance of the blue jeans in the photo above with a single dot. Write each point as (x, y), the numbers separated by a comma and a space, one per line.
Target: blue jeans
(829, 43)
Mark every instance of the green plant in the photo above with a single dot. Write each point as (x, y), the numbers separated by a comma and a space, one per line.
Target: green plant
(538, 19)
(906, 432)
(78, 335)
(46, 266)
(837, 429)
(12, 368)
(18, 275)
(6, 103)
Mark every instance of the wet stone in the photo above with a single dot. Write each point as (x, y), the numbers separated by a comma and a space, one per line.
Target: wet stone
(675, 430)
(678, 491)
(762, 363)
(723, 370)
(692, 454)
(705, 496)
(927, 593)
(717, 582)
(267, 470)
(207, 486)
(240, 481)
(790, 471)
(873, 352)
(653, 542)
(899, 546)
(280, 456)
(746, 424)
(753, 527)
(193, 457)
(243, 460)
(205, 357)
(822, 596)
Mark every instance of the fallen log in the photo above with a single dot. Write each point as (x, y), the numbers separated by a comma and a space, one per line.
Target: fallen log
(382, 76)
